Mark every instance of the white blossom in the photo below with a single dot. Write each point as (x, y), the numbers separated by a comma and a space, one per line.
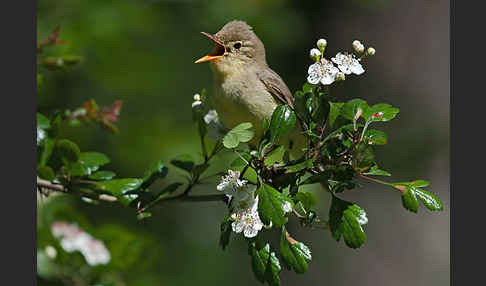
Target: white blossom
(197, 97)
(358, 46)
(315, 54)
(75, 239)
(211, 116)
(348, 64)
(321, 44)
(238, 189)
(324, 72)
(247, 220)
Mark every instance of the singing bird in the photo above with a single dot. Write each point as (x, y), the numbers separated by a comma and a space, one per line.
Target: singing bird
(246, 88)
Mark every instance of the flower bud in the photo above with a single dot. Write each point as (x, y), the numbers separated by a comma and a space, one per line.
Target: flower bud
(321, 44)
(370, 51)
(315, 54)
(358, 47)
(197, 97)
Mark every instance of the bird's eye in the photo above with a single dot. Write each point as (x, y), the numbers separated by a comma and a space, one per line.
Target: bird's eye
(237, 45)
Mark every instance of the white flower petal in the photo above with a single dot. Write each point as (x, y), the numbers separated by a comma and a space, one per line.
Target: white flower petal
(250, 232)
(315, 73)
(287, 207)
(237, 226)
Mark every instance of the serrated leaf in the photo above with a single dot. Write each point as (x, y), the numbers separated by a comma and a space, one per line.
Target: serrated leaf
(102, 175)
(335, 110)
(282, 122)
(380, 112)
(307, 199)
(346, 219)
(93, 160)
(118, 187)
(184, 162)
(411, 193)
(295, 254)
(271, 205)
(375, 137)
(363, 156)
(300, 100)
(350, 108)
(157, 171)
(265, 264)
(275, 156)
(238, 135)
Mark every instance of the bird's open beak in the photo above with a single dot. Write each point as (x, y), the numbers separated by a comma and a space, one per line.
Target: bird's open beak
(216, 54)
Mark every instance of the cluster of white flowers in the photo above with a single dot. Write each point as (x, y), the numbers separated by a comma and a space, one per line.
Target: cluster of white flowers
(323, 70)
(245, 218)
(75, 239)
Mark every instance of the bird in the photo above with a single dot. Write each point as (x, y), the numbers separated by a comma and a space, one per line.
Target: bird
(246, 89)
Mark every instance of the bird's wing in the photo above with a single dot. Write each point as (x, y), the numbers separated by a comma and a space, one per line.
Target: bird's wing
(276, 86)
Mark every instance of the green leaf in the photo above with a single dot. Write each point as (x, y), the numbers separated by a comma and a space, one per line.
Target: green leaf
(375, 137)
(271, 205)
(376, 172)
(412, 192)
(67, 150)
(143, 215)
(346, 219)
(350, 108)
(307, 87)
(307, 199)
(47, 146)
(265, 264)
(300, 100)
(323, 177)
(118, 187)
(295, 254)
(184, 162)
(363, 156)
(335, 110)
(93, 160)
(272, 271)
(301, 166)
(78, 169)
(102, 176)
(157, 171)
(282, 122)
(275, 156)
(380, 112)
(237, 135)
(42, 121)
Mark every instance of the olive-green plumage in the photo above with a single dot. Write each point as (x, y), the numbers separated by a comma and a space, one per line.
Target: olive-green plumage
(246, 88)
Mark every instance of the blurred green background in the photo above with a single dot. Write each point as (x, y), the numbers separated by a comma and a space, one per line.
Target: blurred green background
(142, 52)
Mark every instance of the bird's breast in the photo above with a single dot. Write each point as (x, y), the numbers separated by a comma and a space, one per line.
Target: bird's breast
(241, 98)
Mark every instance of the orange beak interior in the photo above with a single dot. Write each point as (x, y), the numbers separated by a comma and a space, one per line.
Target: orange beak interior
(216, 54)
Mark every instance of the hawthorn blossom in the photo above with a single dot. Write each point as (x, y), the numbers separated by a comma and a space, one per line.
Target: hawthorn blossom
(370, 51)
(238, 189)
(315, 54)
(321, 44)
(287, 207)
(247, 220)
(75, 239)
(348, 64)
(324, 72)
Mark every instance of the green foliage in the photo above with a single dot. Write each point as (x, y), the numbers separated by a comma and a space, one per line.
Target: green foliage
(237, 135)
(339, 151)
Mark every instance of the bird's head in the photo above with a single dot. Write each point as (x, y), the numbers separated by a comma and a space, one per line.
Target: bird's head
(235, 46)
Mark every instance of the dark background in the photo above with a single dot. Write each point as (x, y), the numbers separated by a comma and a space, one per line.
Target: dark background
(143, 52)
